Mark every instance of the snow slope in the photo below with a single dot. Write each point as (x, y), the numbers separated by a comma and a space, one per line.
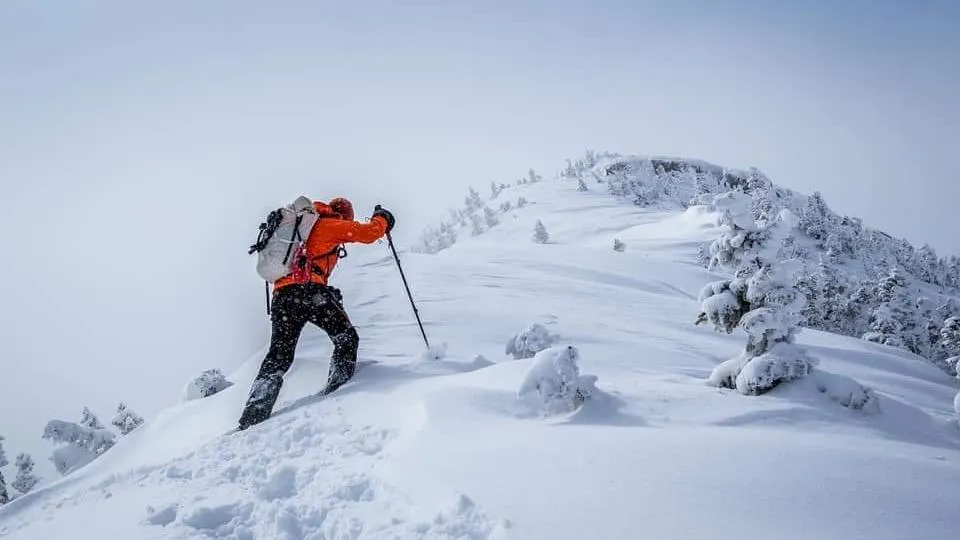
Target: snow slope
(415, 448)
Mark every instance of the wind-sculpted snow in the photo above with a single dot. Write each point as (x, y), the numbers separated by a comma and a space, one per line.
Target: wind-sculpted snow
(441, 446)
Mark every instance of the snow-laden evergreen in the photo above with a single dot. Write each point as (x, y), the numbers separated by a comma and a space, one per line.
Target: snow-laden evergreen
(530, 341)
(761, 299)
(25, 480)
(126, 420)
(540, 234)
(208, 383)
(4, 493)
(80, 443)
(554, 384)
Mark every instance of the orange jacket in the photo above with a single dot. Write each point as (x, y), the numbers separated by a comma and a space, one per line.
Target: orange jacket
(328, 233)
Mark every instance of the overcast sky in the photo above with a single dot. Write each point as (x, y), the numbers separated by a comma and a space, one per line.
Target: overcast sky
(142, 142)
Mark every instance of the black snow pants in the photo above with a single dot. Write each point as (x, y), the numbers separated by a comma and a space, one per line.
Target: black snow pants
(293, 307)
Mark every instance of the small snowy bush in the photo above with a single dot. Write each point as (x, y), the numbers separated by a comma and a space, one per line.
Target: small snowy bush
(554, 384)
(126, 420)
(82, 443)
(540, 234)
(434, 353)
(846, 391)
(207, 384)
(25, 480)
(4, 495)
(956, 406)
(529, 341)
(618, 245)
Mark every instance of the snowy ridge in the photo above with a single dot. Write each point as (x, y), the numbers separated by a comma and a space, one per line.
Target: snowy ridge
(446, 449)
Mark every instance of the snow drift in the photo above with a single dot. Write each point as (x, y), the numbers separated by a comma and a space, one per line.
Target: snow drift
(444, 446)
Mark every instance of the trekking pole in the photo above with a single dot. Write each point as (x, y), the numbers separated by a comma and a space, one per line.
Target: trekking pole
(407, 287)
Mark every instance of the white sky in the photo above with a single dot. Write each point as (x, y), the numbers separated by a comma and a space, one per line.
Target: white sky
(141, 144)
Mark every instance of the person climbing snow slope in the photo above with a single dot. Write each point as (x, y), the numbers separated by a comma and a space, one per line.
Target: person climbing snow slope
(304, 296)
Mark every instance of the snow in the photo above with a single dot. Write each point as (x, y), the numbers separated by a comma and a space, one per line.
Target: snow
(866, 446)
(206, 384)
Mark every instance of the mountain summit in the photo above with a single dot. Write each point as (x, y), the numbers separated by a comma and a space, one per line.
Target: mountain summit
(577, 398)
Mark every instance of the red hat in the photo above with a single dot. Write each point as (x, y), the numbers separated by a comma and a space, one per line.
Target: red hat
(342, 207)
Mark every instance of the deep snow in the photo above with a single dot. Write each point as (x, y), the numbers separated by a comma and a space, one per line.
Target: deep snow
(423, 448)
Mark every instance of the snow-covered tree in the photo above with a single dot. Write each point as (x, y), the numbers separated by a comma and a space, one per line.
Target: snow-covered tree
(521, 202)
(26, 480)
(529, 341)
(890, 321)
(80, 443)
(813, 219)
(540, 234)
(506, 206)
(533, 177)
(208, 383)
(762, 301)
(4, 495)
(950, 342)
(581, 185)
(618, 245)
(956, 406)
(478, 225)
(740, 233)
(473, 200)
(554, 384)
(90, 420)
(490, 217)
(126, 420)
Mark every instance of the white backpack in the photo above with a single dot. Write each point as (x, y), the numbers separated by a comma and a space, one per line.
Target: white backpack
(281, 237)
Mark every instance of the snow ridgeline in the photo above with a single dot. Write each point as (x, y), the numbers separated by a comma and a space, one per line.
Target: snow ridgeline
(856, 281)
(479, 449)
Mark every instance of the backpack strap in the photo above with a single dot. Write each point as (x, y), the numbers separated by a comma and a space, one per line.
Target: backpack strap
(340, 251)
(294, 238)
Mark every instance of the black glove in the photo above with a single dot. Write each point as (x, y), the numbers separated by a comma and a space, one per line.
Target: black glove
(385, 214)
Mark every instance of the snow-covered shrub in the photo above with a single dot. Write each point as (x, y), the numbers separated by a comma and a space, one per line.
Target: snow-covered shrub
(490, 217)
(82, 443)
(755, 375)
(90, 420)
(521, 202)
(26, 480)
(434, 353)
(207, 384)
(495, 190)
(554, 384)
(763, 302)
(618, 245)
(506, 206)
(740, 234)
(846, 391)
(477, 223)
(540, 234)
(531, 340)
(581, 185)
(533, 177)
(473, 200)
(956, 406)
(4, 495)
(126, 420)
